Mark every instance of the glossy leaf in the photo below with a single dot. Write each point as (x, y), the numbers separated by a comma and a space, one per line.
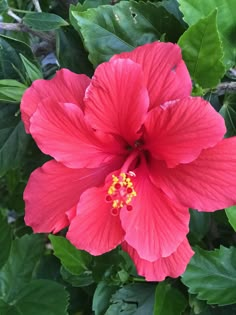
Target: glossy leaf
(18, 270)
(3, 6)
(43, 21)
(75, 58)
(228, 111)
(168, 300)
(104, 29)
(194, 10)
(101, 298)
(74, 260)
(5, 240)
(11, 90)
(199, 42)
(231, 215)
(199, 225)
(13, 139)
(40, 297)
(82, 280)
(32, 71)
(133, 299)
(212, 275)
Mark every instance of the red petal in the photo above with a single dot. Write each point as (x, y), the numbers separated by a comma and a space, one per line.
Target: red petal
(95, 229)
(156, 225)
(206, 184)
(54, 189)
(66, 86)
(171, 266)
(61, 131)
(178, 132)
(166, 75)
(117, 100)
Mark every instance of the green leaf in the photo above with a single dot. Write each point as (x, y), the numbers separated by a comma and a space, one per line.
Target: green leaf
(93, 4)
(168, 300)
(104, 29)
(5, 240)
(11, 90)
(43, 21)
(199, 224)
(102, 297)
(18, 270)
(82, 280)
(3, 6)
(13, 139)
(194, 10)
(212, 275)
(198, 43)
(231, 215)
(32, 71)
(74, 260)
(228, 111)
(75, 58)
(133, 299)
(41, 297)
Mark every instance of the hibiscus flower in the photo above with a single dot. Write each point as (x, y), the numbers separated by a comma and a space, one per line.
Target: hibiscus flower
(132, 152)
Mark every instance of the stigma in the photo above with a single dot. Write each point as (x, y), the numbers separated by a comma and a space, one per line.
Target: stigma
(121, 192)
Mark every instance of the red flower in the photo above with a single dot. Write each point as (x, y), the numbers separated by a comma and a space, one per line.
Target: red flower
(132, 152)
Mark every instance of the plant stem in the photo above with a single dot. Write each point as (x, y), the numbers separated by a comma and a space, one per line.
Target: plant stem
(37, 5)
(14, 16)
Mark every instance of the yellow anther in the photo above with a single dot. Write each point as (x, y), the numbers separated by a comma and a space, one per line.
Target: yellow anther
(121, 191)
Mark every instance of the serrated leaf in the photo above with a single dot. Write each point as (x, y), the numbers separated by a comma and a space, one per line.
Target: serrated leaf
(212, 275)
(168, 300)
(74, 260)
(104, 29)
(133, 299)
(18, 269)
(228, 111)
(41, 297)
(32, 71)
(199, 42)
(5, 240)
(194, 10)
(11, 90)
(231, 215)
(13, 139)
(43, 21)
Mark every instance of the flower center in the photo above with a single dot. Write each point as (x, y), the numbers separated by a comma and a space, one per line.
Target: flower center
(121, 192)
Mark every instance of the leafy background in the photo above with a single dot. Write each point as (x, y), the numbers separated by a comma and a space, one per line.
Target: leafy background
(45, 274)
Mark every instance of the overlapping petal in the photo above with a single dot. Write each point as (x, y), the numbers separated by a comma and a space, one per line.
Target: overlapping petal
(206, 184)
(117, 99)
(66, 86)
(61, 131)
(156, 225)
(165, 72)
(179, 131)
(171, 266)
(54, 189)
(94, 228)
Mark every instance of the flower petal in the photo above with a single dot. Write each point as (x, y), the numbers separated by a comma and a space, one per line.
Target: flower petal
(206, 184)
(178, 132)
(94, 228)
(156, 225)
(54, 189)
(66, 86)
(165, 72)
(171, 266)
(60, 130)
(117, 100)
